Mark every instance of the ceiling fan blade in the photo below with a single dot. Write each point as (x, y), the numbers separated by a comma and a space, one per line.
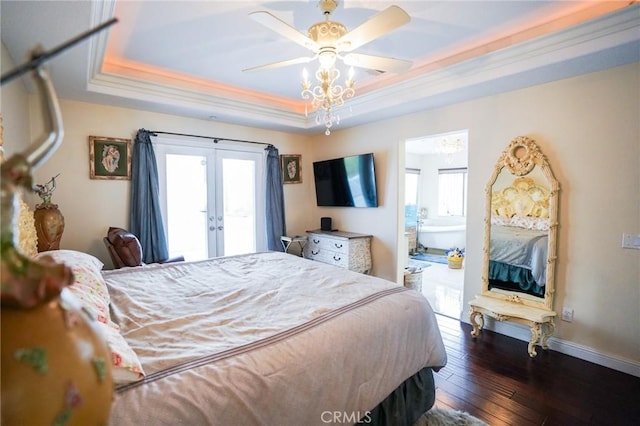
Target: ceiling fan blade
(301, 60)
(276, 24)
(382, 23)
(379, 63)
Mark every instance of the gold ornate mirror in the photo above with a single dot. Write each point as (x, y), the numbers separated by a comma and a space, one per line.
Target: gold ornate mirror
(520, 242)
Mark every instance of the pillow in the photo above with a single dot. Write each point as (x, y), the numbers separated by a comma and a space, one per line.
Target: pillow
(125, 366)
(500, 220)
(90, 288)
(88, 284)
(528, 222)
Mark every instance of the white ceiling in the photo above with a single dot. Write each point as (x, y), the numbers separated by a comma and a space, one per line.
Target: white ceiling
(187, 58)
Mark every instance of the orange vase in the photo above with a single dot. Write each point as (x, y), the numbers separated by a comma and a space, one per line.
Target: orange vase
(56, 368)
(49, 226)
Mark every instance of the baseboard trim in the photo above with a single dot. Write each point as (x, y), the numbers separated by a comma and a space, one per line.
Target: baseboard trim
(568, 348)
(589, 354)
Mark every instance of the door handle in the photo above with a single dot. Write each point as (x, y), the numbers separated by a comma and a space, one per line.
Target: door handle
(219, 228)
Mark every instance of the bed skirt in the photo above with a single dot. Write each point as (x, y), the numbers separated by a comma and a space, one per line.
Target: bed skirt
(513, 278)
(405, 405)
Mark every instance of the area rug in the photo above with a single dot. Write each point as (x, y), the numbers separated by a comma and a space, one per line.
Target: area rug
(430, 258)
(442, 417)
(418, 263)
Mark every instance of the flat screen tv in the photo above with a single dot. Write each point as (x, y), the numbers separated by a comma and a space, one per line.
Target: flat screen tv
(346, 182)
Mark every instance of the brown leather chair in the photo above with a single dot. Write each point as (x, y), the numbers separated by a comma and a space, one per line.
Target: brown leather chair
(125, 249)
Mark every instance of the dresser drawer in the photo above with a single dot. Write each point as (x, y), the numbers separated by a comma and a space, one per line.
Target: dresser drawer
(345, 250)
(321, 242)
(330, 257)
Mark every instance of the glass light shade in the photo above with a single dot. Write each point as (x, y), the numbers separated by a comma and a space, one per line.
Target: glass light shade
(327, 59)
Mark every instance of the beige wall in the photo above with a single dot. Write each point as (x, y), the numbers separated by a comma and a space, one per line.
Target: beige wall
(91, 206)
(587, 126)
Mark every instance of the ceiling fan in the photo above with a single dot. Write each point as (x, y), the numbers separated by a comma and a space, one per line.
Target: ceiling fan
(329, 40)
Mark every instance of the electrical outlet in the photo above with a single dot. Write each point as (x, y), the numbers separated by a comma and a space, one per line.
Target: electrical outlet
(631, 241)
(567, 314)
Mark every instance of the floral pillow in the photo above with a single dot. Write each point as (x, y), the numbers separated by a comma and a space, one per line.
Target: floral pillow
(528, 222)
(90, 288)
(500, 220)
(88, 284)
(125, 367)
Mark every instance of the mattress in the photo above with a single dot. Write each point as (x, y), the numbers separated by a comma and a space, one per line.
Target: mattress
(265, 339)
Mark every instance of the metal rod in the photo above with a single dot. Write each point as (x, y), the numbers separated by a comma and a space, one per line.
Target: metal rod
(39, 58)
(215, 139)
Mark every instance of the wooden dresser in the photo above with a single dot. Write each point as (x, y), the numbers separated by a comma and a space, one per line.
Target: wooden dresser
(344, 249)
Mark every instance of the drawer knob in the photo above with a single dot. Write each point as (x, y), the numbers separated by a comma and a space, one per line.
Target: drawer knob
(336, 258)
(338, 245)
(316, 241)
(314, 252)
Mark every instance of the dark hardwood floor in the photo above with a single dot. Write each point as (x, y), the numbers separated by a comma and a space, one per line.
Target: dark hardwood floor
(493, 378)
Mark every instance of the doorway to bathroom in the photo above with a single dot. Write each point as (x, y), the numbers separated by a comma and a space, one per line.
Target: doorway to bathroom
(435, 215)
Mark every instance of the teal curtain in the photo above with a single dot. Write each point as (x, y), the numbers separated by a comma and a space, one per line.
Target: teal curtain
(274, 200)
(145, 220)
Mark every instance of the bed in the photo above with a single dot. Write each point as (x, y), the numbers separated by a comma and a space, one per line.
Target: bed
(265, 339)
(518, 255)
(519, 241)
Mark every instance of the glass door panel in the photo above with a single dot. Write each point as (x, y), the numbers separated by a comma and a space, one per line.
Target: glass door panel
(186, 218)
(237, 202)
(211, 199)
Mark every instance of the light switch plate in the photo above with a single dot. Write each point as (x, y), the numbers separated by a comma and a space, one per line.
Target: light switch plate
(631, 241)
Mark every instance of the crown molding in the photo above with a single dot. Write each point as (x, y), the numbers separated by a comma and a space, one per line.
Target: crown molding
(592, 37)
(194, 103)
(370, 103)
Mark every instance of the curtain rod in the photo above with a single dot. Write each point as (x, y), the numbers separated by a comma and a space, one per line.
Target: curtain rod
(215, 139)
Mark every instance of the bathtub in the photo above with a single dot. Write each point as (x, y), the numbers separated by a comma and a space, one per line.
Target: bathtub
(443, 233)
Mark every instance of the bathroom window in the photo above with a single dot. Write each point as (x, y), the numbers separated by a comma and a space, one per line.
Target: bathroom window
(452, 192)
(411, 178)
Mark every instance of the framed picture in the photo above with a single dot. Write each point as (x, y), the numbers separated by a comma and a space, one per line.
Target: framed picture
(291, 168)
(109, 158)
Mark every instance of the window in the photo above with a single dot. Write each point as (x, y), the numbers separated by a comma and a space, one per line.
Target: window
(452, 192)
(411, 177)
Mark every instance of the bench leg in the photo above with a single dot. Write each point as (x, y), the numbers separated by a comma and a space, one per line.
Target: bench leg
(477, 321)
(548, 332)
(535, 337)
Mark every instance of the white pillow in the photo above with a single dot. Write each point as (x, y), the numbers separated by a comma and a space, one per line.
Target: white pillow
(90, 288)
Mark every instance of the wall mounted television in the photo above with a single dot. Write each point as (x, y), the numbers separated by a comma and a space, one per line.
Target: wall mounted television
(346, 182)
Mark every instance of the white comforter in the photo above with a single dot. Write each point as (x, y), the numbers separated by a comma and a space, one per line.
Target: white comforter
(526, 248)
(265, 339)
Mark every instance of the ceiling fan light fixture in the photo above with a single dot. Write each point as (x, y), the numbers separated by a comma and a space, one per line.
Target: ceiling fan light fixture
(326, 32)
(306, 84)
(327, 59)
(327, 94)
(330, 40)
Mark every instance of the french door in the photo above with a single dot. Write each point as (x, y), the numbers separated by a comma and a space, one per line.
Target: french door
(212, 199)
